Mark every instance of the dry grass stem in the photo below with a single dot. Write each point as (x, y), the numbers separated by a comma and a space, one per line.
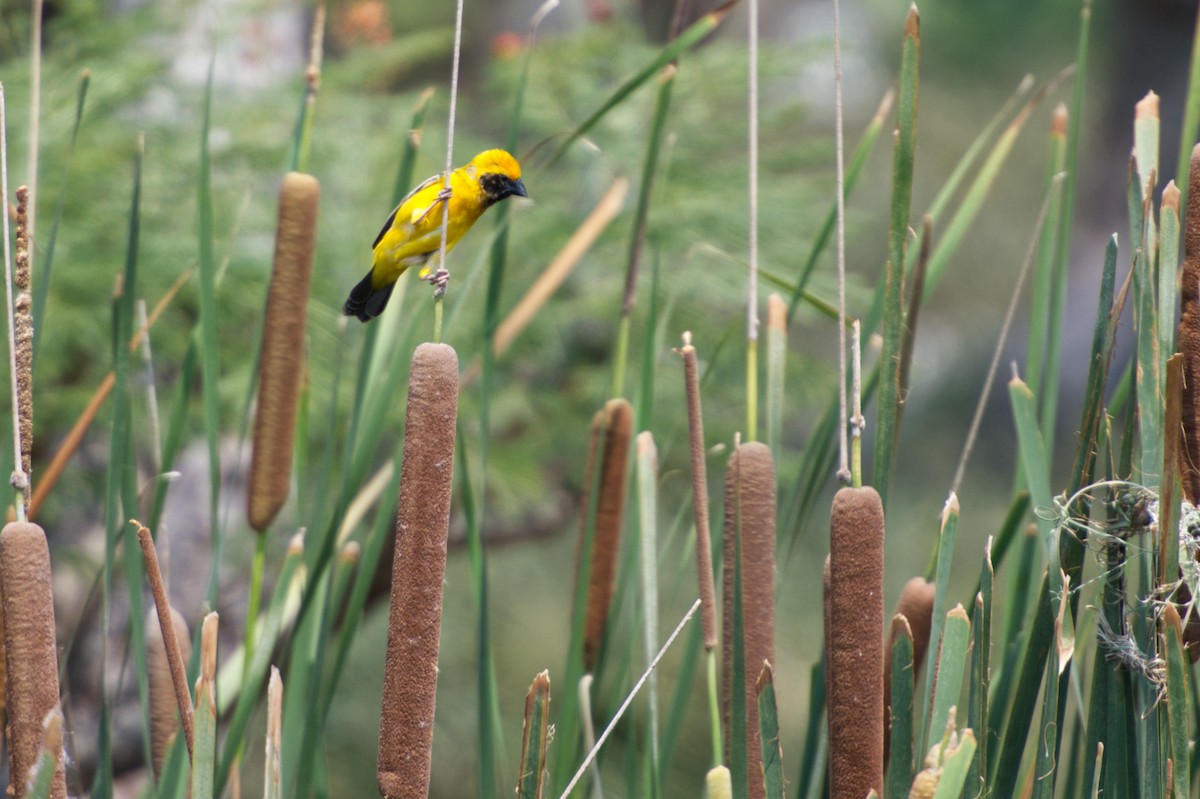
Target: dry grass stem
(169, 634)
(704, 569)
(1188, 335)
(572, 252)
(164, 700)
(32, 654)
(750, 527)
(606, 537)
(281, 364)
(418, 571)
(856, 643)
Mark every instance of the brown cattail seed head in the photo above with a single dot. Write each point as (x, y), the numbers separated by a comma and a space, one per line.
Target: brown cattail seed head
(280, 367)
(916, 605)
(31, 652)
(750, 523)
(164, 710)
(856, 643)
(23, 331)
(1188, 336)
(418, 572)
(606, 538)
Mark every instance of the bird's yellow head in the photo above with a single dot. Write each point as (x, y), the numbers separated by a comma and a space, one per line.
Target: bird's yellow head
(499, 175)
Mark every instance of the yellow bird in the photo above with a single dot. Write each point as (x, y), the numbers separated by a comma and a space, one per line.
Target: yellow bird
(413, 233)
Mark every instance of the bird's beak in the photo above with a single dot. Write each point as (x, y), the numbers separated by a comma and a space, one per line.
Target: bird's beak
(517, 187)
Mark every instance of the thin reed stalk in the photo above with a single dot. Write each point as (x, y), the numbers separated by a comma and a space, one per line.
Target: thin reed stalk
(749, 562)
(282, 358)
(30, 648)
(704, 570)
(418, 571)
(856, 643)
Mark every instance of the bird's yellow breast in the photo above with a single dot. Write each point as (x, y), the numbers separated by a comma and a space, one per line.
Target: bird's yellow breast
(416, 230)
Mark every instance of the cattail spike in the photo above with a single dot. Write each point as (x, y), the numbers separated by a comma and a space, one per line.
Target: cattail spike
(281, 363)
(855, 658)
(606, 538)
(418, 574)
(750, 522)
(31, 651)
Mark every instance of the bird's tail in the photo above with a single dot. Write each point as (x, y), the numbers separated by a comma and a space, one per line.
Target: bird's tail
(365, 301)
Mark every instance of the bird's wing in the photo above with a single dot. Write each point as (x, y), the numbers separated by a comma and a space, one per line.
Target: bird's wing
(392, 217)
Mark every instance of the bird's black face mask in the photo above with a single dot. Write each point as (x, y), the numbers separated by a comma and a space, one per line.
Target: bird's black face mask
(496, 187)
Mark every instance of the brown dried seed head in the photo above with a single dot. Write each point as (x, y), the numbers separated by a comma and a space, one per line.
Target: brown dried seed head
(856, 643)
(750, 515)
(164, 710)
(916, 604)
(1188, 336)
(418, 572)
(606, 540)
(32, 660)
(281, 364)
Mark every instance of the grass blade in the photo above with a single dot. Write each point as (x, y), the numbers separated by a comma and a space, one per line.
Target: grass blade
(893, 303)
(951, 663)
(900, 748)
(768, 734)
(535, 739)
(1177, 699)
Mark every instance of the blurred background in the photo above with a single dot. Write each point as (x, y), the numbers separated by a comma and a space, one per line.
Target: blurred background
(149, 62)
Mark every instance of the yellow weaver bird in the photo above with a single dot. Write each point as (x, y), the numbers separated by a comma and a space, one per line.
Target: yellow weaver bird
(413, 233)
